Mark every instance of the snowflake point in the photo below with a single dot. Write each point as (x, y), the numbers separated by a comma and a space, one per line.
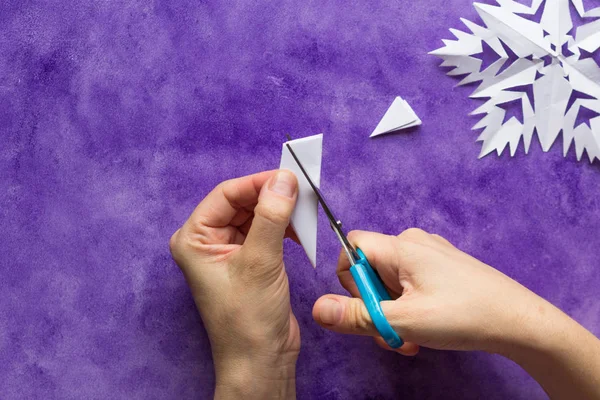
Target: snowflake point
(548, 62)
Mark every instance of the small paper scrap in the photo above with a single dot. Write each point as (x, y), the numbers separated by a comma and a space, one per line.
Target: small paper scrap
(304, 218)
(399, 116)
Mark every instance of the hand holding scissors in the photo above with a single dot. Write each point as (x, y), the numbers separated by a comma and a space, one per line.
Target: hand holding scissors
(371, 289)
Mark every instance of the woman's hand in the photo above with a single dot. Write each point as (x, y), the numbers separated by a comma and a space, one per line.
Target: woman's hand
(446, 299)
(230, 251)
(449, 299)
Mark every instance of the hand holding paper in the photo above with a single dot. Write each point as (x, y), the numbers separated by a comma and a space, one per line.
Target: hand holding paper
(230, 251)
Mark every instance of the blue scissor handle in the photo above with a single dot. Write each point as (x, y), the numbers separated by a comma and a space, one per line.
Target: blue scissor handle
(372, 292)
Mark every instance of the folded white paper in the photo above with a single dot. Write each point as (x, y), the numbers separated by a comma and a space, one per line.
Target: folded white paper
(554, 76)
(399, 116)
(304, 218)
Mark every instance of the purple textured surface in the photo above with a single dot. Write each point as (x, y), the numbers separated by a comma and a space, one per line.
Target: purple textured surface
(116, 118)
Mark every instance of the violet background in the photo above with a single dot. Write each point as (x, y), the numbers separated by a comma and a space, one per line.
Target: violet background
(117, 117)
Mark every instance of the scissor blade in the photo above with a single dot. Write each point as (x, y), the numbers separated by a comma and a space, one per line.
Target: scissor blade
(314, 187)
(334, 222)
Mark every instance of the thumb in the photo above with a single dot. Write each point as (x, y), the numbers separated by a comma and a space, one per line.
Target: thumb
(349, 315)
(272, 213)
(344, 315)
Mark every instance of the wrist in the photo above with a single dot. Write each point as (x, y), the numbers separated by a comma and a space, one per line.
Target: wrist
(561, 355)
(262, 376)
(538, 327)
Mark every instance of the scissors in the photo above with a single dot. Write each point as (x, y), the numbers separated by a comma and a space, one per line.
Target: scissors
(367, 280)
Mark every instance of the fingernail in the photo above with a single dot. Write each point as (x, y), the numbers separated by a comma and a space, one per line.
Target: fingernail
(284, 184)
(331, 312)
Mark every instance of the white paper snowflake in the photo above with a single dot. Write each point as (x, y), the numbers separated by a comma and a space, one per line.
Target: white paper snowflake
(545, 62)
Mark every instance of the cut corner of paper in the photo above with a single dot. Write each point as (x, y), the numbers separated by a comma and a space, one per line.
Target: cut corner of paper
(398, 116)
(545, 76)
(304, 218)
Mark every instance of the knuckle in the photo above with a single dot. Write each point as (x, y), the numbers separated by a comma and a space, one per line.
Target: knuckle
(184, 242)
(196, 224)
(222, 185)
(352, 235)
(359, 317)
(178, 246)
(174, 242)
(273, 213)
(230, 189)
(355, 235)
(413, 235)
(407, 250)
(442, 239)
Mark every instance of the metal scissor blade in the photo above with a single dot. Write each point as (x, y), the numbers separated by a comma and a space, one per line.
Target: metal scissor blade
(335, 224)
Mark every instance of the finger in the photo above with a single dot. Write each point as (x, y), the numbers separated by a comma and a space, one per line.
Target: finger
(349, 315)
(243, 229)
(272, 214)
(368, 242)
(238, 237)
(242, 216)
(407, 349)
(222, 205)
(381, 251)
(344, 315)
(347, 281)
(344, 275)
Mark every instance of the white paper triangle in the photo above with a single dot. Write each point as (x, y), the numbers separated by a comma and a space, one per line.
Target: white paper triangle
(399, 116)
(304, 218)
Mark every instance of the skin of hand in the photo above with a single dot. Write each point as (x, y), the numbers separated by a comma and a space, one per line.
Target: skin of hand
(446, 299)
(230, 251)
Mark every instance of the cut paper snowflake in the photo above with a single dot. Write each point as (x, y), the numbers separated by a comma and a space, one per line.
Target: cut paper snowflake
(544, 75)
